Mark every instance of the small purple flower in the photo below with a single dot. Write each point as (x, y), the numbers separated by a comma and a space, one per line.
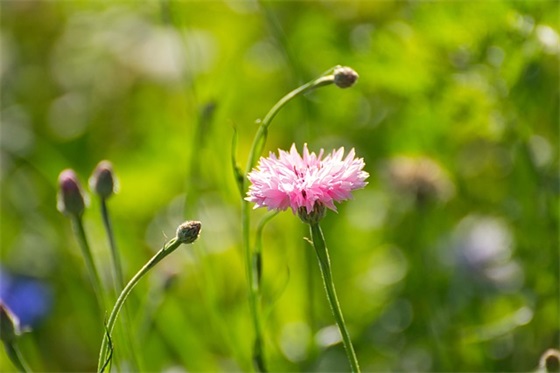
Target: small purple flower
(27, 298)
(290, 180)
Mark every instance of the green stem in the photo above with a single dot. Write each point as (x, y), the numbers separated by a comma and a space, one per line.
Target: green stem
(16, 357)
(119, 283)
(258, 352)
(258, 245)
(117, 266)
(256, 274)
(324, 264)
(88, 258)
(310, 274)
(260, 137)
(166, 250)
(250, 263)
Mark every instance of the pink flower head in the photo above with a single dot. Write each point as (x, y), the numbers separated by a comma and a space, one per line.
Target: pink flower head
(292, 181)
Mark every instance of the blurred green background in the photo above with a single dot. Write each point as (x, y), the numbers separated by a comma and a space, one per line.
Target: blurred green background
(447, 261)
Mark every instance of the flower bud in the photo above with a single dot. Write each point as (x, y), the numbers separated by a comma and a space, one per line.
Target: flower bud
(550, 361)
(188, 231)
(9, 324)
(314, 216)
(345, 77)
(419, 177)
(102, 181)
(70, 196)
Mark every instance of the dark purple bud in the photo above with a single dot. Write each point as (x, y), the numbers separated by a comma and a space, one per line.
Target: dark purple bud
(102, 181)
(188, 231)
(70, 196)
(345, 77)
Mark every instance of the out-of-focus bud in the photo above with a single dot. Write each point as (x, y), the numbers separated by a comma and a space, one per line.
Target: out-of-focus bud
(9, 325)
(314, 216)
(188, 231)
(103, 181)
(420, 177)
(345, 77)
(550, 361)
(71, 199)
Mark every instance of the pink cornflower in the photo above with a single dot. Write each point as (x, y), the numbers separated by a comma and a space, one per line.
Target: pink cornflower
(292, 181)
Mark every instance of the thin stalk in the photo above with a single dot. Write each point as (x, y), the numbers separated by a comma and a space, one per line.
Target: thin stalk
(256, 275)
(258, 352)
(251, 261)
(162, 253)
(116, 259)
(260, 137)
(324, 264)
(310, 274)
(258, 245)
(88, 258)
(119, 283)
(16, 357)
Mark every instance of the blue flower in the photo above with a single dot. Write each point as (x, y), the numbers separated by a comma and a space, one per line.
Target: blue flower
(28, 298)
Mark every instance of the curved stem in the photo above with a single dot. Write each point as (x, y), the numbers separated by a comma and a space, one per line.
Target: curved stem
(16, 357)
(88, 258)
(324, 264)
(119, 283)
(251, 265)
(260, 137)
(166, 250)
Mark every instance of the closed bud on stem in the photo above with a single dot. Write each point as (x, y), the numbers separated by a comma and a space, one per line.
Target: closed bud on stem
(314, 216)
(188, 231)
(70, 196)
(9, 325)
(345, 77)
(550, 361)
(103, 181)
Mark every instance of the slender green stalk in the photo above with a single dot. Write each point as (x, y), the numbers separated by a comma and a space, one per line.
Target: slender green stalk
(162, 253)
(257, 262)
(116, 259)
(324, 264)
(88, 258)
(260, 137)
(16, 357)
(310, 274)
(255, 282)
(252, 261)
(258, 352)
(119, 283)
